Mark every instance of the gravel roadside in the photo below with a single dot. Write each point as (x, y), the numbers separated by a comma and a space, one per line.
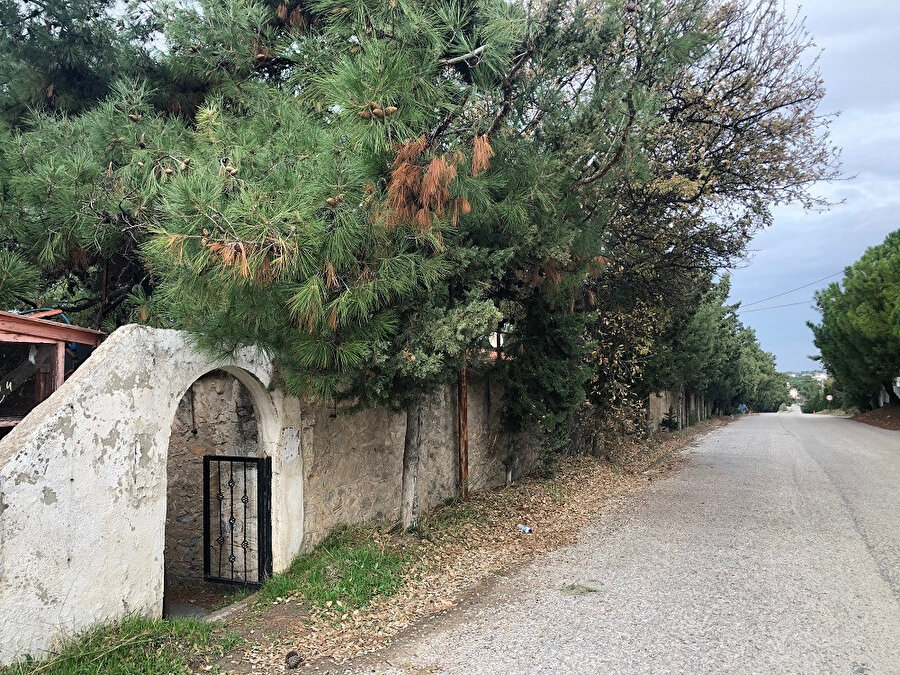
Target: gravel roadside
(774, 549)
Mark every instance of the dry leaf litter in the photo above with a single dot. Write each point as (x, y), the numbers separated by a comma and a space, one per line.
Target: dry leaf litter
(460, 550)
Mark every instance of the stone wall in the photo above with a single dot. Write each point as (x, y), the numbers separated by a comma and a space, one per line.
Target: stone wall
(658, 407)
(685, 406)
(91, 476)
(490, 461)
(354, 459)
(352, 464)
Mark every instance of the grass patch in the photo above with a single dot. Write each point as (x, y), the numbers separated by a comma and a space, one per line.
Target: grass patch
(451, 516)
(350, 568)
(131, 647)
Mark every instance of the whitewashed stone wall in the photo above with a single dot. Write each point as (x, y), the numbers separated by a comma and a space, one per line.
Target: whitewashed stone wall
(83, 487)
(83, 479)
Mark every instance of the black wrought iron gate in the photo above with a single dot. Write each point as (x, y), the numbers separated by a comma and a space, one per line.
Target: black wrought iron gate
(237, 546)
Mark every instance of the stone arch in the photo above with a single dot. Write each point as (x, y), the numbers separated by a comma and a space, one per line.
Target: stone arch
(83, 486)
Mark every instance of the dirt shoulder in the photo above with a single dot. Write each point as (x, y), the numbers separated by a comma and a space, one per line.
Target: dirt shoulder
(886, 418)
(461, 550)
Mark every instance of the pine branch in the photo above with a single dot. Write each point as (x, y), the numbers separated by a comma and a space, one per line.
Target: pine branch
(465, 57)
(447, 121)
(26, 301)
(506, 106)
(547, 24)
(21, 20)
(632, 115)
(620, 150)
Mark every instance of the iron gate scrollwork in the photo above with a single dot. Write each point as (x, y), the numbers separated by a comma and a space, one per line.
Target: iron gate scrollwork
(237, 534)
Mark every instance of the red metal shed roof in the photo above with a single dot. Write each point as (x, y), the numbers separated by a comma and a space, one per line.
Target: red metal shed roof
(23, 328)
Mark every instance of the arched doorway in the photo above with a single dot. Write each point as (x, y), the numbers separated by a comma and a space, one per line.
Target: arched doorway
(85, 485)
(218, 504)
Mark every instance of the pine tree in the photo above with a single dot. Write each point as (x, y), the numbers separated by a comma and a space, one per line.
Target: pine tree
(859, 335)
(66, 55)
(368, 190)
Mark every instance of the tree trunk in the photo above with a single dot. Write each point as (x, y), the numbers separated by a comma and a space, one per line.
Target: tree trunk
(409, 508)
(893, 399)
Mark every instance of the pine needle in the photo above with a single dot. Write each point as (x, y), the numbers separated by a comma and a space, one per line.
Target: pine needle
(481, 155)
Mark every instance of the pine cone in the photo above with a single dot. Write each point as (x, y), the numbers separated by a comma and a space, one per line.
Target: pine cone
(292, 660)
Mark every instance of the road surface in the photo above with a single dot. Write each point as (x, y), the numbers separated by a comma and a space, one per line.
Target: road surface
(774, 549)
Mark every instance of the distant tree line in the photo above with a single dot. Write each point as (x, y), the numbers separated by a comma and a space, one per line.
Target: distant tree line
(370, 190)
(713, 355)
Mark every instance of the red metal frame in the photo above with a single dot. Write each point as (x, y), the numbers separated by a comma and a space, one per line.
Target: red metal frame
(19, 328)
(36, 330)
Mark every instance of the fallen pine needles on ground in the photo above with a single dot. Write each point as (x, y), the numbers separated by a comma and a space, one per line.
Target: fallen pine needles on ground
(362, 586)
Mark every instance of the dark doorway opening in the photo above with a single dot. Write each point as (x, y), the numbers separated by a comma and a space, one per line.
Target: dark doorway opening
(218, 522)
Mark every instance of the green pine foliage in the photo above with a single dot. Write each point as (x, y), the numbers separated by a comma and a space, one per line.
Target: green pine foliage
(368, 190)
(80, 193)
(17, 278)
(65, 56)
(859, 334)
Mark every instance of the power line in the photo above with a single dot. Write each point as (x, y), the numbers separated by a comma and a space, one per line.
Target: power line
(763, 309)
(778, 295)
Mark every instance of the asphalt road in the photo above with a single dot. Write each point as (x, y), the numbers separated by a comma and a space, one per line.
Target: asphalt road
(774, 549)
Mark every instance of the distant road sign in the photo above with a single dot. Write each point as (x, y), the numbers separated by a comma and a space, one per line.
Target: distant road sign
(829, 397)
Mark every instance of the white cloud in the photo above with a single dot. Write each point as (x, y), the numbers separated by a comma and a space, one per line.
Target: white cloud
(862, 76)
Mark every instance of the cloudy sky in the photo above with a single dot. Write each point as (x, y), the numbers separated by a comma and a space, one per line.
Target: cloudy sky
(861, 68)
